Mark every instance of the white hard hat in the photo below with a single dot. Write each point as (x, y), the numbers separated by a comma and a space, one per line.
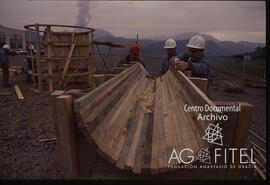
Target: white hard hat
(196, 42)
(6, 46)
(170, 43)
(31, 47)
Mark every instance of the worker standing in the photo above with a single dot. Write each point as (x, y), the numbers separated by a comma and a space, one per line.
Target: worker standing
(4, 62)
(194, 60)
(170, 46)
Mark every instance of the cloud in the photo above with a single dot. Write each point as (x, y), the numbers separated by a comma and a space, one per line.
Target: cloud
(147, 18)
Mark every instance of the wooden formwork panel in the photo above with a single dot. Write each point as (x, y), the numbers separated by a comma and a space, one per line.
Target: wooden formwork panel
(134, 122)
(61, 42)
(137, 121)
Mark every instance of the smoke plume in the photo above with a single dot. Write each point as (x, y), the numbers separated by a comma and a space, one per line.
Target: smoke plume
(84, 15)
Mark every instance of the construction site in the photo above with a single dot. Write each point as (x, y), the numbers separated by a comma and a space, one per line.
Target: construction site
(84, 117)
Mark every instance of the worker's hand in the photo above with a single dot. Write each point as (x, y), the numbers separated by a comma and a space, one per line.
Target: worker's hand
(181, 65)
(174, 61)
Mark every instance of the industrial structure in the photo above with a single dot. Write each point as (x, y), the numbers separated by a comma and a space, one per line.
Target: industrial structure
(12, 37)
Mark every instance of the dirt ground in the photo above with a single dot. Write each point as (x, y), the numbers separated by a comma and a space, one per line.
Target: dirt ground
(24, 122)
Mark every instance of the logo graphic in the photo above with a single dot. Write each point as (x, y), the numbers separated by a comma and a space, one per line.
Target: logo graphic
(213, 134)
(203, 156)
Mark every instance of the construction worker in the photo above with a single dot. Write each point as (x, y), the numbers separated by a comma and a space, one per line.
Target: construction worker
(4, 63)
(170, 46)
(132, 56)
(194, 60)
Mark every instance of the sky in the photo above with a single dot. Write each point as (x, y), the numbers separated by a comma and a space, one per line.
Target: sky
(225, 20)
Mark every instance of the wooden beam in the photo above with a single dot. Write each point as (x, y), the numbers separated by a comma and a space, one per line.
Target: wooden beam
(70, 53)
(240, 136)
(254, 134)
(18, 92)
(253, 144)
(47, 139)
(32, 58)
(260, 172)
(190, 87)
(50, 80)
(54, 95)
(65, 127)
(38, 58)
(5, 93)
(201, 83)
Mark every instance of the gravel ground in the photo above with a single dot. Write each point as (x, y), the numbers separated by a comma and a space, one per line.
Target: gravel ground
(24, 122)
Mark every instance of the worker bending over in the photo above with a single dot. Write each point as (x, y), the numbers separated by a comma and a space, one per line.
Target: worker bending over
(194, 60)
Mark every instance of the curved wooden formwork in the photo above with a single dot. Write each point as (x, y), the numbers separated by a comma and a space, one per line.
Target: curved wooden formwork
(136, 121)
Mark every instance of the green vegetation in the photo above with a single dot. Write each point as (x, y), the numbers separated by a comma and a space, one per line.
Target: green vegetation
(253, 72)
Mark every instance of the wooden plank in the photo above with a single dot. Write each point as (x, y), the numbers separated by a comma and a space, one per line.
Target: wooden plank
(56, 127)
(64, 118)
(119, 131)
(158, 121)
(254, 134)
(240, 135)
(5, 93)
(90, 97)
(117, 98)
(141, 156)
(131, 127)
(73, 40)
(49, 37)
(107, 133)
(194, 91)
(47, 139)
(254, 144)
(18, 92)
(102, 105)
(147, 145)
(260, 172)
(188, 134)
(38, 58)
(170, 139)
(201, 83)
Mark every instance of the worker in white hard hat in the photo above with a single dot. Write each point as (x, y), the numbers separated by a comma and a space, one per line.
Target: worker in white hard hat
(194, 60)
(170, 46)
(4, 63)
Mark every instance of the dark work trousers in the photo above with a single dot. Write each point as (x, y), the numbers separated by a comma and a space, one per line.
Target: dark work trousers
(5, 74)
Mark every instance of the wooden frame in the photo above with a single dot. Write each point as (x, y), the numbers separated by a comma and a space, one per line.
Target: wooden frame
(53, 61)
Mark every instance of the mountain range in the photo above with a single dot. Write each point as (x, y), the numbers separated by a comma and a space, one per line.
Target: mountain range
(152, 47)
(214, 47)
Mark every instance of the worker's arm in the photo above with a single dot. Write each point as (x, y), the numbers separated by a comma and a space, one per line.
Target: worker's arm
(164, 66)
